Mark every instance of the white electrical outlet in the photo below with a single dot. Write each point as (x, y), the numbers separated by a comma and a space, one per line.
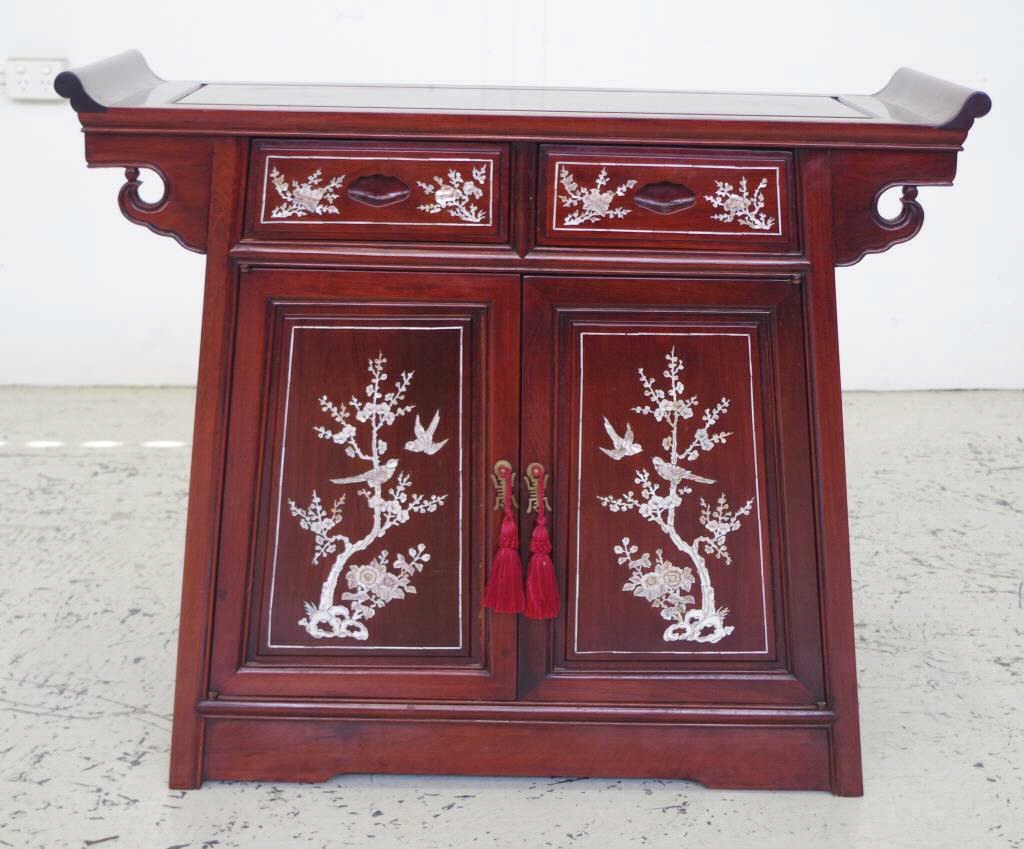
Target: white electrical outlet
(32, 79)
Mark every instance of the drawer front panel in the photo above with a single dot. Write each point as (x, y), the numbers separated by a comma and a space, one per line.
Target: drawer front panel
(722, 200)
(378, 191)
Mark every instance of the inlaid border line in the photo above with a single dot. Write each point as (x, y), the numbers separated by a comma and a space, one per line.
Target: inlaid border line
(671, 164)
(757, 495)
(439, 223)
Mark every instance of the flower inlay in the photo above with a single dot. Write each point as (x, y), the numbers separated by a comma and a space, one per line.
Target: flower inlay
(740, 205)
(591, 204)
(456, 195)
(306, 198)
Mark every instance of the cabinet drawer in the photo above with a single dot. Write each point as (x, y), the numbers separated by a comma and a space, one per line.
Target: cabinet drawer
(718, 200)
(378, 191)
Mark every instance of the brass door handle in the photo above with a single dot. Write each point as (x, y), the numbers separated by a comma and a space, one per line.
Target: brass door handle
(504, 478)
(504, 590)
(533, 479)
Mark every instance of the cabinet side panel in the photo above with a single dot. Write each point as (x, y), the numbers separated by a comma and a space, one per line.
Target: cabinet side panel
(208, 446)
(830, 463)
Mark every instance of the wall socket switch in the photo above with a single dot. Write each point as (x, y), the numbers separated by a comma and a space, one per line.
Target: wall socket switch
(32, 79)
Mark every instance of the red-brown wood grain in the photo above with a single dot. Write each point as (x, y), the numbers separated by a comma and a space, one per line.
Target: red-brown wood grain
(833, 536)
(184, 166)
(537, 332)
(859, 178)
(208, 463)
(726, 755)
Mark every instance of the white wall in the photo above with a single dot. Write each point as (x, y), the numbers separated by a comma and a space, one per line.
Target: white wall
(89, 298)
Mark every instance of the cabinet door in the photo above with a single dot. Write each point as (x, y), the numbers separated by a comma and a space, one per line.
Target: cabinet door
(673, 416)
(365, 414)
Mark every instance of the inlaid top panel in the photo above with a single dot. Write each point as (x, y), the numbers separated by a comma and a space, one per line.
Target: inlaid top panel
(511, 100)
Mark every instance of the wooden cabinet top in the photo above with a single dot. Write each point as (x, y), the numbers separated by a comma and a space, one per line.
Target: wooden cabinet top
(912, 109)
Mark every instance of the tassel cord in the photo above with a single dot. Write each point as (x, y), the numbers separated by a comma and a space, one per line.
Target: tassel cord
(504, 592)
(542, 597)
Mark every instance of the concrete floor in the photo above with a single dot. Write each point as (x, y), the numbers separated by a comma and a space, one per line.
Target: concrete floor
(91, 545)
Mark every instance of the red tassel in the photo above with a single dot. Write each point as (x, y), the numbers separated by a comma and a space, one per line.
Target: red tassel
(542, 600)
(504, 593)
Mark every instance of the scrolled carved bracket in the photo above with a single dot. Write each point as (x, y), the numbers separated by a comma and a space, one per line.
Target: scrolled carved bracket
(129, 199)
(184, 164)
(858, 180)
(911, 215)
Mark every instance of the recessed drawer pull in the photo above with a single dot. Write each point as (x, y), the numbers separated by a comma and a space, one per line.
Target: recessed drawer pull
(378, 190)
(663, 198)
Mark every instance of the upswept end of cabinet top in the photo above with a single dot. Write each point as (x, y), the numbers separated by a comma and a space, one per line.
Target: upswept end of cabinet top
(913, 109)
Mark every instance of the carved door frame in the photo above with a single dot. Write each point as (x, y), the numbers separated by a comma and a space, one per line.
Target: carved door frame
(767, 309)
(272, 300)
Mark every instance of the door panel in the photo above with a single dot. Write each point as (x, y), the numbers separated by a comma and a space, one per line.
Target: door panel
(668, 486)
(366, 532)
(347, 403)
(675, 419)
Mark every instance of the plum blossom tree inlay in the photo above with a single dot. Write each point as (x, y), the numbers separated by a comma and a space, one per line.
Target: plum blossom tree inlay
(663, 488)
(371, 584)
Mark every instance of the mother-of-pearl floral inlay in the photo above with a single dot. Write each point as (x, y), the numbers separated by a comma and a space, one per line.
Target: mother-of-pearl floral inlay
(307, 197)
(456, 195)
(594, 203)
(665, 584)
(741, 205)
(359, 430)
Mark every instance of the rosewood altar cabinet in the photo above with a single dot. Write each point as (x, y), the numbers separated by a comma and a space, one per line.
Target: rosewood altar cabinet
(419, 299)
